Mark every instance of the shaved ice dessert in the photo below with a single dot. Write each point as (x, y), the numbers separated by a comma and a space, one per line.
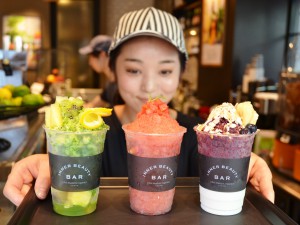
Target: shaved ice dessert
(224, 145)
(153, 144)
(229, 119)
(75, 141)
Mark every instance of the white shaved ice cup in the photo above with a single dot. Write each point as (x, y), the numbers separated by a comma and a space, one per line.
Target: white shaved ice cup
(223, 171)
(221, 203)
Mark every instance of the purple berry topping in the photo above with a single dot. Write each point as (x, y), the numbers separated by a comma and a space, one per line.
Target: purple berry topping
(252, 128)
(245, 131)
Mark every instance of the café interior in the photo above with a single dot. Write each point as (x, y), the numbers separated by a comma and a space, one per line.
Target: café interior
(255, 58)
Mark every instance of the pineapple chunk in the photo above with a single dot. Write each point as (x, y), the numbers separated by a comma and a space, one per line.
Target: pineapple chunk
(48, 117)
(247, 113)
(59, 99)
(56, 118)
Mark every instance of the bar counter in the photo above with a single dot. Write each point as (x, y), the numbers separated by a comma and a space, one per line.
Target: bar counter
(113, 208)
(287, 194)
(32, 143)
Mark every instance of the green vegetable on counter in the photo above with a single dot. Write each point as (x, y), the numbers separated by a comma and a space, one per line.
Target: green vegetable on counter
(21, 91)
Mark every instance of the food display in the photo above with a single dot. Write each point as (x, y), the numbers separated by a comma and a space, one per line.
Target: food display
(224, 144)
(18, 100)
(153, 144)
(11, 95)
(75, 141)
(291, 114)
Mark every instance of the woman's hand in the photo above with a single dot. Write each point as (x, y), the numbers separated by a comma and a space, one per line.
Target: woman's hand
(22, 176)
(260, 177)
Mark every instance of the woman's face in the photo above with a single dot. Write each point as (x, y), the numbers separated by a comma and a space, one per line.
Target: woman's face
(97, 62)
(147, 67)
(94, 64)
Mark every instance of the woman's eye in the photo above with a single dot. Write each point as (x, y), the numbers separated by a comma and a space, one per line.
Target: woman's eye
(132, 71)
(165, 72)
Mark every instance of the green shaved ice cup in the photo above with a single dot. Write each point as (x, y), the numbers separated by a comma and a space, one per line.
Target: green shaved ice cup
(75, 166)
(75, 144)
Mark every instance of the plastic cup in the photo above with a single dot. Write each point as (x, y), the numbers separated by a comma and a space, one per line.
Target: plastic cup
(152, 170)
(75, 166)
(223, 170)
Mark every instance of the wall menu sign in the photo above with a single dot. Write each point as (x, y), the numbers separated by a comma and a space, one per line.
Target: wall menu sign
(213, 32)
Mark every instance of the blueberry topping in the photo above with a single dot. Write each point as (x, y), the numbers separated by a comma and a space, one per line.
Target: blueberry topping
(252, 128)
(245, 131)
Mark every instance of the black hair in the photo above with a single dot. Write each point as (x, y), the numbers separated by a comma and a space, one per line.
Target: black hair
(101, 47)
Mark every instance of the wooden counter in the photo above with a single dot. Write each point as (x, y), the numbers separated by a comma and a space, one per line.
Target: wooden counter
(287, 194)
(33, 143)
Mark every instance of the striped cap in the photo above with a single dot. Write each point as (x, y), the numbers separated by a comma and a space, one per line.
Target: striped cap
(149, 22)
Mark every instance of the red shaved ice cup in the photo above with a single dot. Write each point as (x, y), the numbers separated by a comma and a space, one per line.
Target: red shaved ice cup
(152, 170)
(223, 169)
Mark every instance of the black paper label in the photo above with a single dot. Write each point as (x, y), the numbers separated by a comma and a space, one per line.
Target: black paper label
(152, 174)
(224, 175)
(75, 173)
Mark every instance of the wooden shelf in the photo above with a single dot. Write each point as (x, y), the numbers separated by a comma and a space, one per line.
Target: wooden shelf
(188, 6)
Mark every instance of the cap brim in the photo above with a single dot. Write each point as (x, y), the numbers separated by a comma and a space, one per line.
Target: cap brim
(85, 50)
(141, 33)
(146, 33)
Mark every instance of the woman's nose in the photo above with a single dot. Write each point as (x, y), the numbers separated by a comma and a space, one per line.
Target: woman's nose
(149, 83)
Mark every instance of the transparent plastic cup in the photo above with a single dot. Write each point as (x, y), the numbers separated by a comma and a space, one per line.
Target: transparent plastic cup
(75, 166)
(223, 170)
(152, 170)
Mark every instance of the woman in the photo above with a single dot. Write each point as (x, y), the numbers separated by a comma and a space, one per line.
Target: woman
(147, 57)
(97, 51)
